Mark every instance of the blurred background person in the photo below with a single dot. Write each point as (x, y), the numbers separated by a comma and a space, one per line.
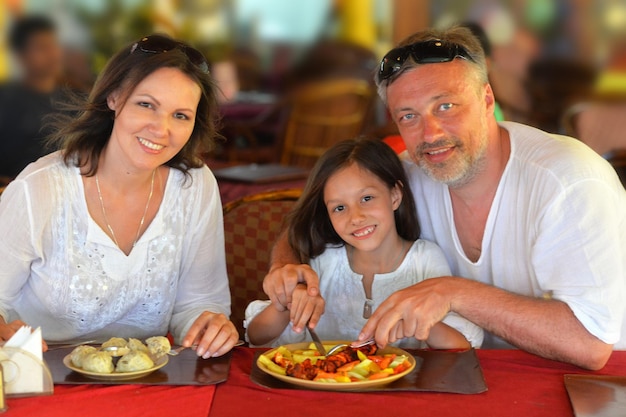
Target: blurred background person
(480, 34)
(224, 73)
(600, 119)
(34, 94)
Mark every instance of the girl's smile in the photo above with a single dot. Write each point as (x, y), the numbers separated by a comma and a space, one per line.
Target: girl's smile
(364, 232)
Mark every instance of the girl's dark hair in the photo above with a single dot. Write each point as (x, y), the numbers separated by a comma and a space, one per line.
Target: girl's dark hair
(84, 137)
(310, 229)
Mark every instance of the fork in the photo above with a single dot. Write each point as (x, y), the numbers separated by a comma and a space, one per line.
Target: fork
(55, 346)
(355, 345)
(175, 352)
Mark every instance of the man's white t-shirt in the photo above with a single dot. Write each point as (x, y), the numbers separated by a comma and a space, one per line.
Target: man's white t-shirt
(557, 228)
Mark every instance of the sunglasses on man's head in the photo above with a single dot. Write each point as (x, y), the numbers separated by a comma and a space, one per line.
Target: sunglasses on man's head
(157, 44)
(426, 52)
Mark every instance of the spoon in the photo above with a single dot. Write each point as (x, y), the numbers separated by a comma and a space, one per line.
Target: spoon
(116, 352)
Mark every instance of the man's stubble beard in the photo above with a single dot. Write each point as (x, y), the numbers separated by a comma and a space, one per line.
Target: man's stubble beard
(463, 167)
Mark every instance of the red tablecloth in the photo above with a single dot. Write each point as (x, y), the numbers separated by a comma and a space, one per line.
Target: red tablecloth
(519, 384)
(116, 400)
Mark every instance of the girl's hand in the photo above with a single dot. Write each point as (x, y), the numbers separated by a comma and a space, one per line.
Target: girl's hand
(214, 334)
(305, 309)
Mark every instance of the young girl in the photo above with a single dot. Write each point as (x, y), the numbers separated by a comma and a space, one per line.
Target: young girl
(356, 225)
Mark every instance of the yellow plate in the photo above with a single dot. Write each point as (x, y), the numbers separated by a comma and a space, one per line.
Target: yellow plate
(338, 386)
(116, 376)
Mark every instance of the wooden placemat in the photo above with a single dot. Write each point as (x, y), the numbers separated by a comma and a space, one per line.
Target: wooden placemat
(435, 371)
(184, 369)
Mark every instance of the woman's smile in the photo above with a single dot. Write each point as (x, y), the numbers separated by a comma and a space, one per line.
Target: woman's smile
(150, 145)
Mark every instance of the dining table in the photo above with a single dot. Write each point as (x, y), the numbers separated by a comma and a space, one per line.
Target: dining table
(517, 384)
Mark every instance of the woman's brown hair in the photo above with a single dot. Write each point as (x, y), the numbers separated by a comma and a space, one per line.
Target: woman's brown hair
(310, 228)
(83, 138)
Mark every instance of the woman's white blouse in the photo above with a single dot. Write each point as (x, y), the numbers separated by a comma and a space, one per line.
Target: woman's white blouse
(61, 271)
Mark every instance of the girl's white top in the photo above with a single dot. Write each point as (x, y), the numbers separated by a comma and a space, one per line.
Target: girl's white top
(342, 289)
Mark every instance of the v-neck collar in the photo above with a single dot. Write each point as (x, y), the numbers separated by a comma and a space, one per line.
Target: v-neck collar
(96, 235)
(491, 218)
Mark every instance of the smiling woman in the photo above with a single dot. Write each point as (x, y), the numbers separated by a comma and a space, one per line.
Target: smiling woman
(120, 232)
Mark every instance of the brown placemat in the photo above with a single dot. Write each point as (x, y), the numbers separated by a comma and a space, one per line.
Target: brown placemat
(184, 369)
(435, 371)
(597, 395)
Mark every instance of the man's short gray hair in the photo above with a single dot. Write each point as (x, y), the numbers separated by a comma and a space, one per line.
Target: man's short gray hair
(458, 35)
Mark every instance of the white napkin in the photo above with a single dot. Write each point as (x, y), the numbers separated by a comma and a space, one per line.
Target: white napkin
(22, 373)
(28, 340)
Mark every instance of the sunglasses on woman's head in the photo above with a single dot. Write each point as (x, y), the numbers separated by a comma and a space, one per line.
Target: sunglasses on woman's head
(157, 44)
(426, 52)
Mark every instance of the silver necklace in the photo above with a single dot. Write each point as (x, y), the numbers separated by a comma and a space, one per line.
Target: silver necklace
(143, 218)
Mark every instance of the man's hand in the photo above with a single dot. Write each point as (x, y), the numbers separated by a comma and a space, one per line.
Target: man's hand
(280, 283)
(305, 309)
(547, 328)
(214, 334)
(410, 312)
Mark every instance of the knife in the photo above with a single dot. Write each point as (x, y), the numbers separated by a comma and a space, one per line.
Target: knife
(316, 341)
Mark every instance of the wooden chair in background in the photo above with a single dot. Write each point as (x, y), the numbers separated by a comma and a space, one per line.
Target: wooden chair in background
(322, 114)
(553, 85)
(251, 227)
(311, 119)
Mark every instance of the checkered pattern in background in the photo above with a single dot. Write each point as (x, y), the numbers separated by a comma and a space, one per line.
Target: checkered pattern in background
(251, 230)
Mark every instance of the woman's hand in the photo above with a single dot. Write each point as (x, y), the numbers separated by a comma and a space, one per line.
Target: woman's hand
(8, 330)
(280, 283)
(305, 309)
(213, 333)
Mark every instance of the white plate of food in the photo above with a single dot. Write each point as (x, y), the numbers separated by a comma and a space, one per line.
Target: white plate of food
(119, 359)
(350, 373)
